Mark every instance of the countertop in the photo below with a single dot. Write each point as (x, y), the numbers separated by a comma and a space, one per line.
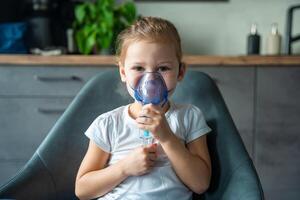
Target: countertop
(191, 60)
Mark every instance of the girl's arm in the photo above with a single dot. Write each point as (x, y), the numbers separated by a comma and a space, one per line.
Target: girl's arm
(192, 163)
(94, 179)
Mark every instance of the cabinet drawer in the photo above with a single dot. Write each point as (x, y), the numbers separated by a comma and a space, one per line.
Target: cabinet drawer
(45, 80)
(24, 123)
(237, 87)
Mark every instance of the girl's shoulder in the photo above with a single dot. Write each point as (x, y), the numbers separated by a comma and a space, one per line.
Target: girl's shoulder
(185, 109)
(112, 115)
(115, 112)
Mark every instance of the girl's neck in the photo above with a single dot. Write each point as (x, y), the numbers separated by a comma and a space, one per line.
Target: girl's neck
(135, 108)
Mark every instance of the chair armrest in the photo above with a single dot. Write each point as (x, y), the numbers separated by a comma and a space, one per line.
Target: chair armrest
(33, 181)
(243, 183)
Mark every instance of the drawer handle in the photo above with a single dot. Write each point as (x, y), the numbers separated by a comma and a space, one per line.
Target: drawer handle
(57, 78)
(51, 110)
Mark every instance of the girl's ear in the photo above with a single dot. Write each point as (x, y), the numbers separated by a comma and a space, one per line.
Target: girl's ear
(122, 72)
(182, 70)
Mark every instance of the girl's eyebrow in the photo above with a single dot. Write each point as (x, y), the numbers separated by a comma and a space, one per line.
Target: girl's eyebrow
(164, 62)
(143, 63)
(137, 63)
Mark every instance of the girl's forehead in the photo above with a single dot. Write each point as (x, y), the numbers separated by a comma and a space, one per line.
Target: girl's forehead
(146, 49)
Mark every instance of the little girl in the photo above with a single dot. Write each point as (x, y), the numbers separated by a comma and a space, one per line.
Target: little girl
(117, 165)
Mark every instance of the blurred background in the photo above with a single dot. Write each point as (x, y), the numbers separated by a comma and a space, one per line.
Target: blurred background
(251, 49)
(219, 27)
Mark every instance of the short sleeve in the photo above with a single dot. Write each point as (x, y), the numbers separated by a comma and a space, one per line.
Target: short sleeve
(195, 123)
(99, 133)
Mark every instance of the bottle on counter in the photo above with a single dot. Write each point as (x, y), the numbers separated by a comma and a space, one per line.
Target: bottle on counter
(273, 41)
(253, 41)
(70, 41)
(38, 20)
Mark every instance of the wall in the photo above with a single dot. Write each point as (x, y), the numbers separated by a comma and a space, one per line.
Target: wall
(220, 28)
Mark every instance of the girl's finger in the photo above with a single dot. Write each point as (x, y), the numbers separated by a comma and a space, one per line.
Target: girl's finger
(151, 108)
(152, 148)
(151, 164)
(148, 113)
(144, 120)
(152, 156)
(146, 109)
(142, 126)
(155, 108)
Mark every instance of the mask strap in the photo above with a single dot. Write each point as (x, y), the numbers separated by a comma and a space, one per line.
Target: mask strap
(166, 97)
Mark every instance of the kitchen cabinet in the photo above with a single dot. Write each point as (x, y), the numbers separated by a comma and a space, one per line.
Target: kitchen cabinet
(32, 98)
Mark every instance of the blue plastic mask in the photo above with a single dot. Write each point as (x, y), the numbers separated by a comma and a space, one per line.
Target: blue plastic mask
(151, 88)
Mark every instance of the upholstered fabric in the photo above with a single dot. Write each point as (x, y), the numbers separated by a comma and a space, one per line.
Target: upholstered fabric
(51, 172)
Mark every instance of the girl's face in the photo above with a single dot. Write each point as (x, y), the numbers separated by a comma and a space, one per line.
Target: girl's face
(143, 56)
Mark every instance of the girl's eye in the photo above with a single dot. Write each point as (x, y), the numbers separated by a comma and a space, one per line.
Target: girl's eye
(138, 68)
(163, 68)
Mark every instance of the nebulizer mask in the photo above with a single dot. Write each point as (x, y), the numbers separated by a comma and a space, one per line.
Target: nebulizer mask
(148, 88)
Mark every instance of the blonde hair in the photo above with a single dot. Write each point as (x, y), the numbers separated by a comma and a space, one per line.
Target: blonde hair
(152, 29)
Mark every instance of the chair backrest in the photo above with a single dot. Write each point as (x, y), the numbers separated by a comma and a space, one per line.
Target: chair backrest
(51, 172)
(233, 173)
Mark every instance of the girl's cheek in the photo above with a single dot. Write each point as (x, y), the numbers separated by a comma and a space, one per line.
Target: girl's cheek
(171, 85)
(133, 77)
(170, 81)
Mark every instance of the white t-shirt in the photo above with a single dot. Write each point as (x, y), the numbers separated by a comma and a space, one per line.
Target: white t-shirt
(117, 133)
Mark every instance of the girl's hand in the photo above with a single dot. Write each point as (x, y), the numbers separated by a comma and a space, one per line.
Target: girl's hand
(153, 119)
(140, 161)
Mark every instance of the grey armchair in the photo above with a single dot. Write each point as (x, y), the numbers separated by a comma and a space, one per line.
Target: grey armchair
(51, 172)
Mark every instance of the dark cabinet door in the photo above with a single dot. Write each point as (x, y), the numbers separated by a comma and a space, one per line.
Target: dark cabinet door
(277, 140)
(24, 123)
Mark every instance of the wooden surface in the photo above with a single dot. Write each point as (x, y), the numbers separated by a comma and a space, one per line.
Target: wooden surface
(110, 60)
